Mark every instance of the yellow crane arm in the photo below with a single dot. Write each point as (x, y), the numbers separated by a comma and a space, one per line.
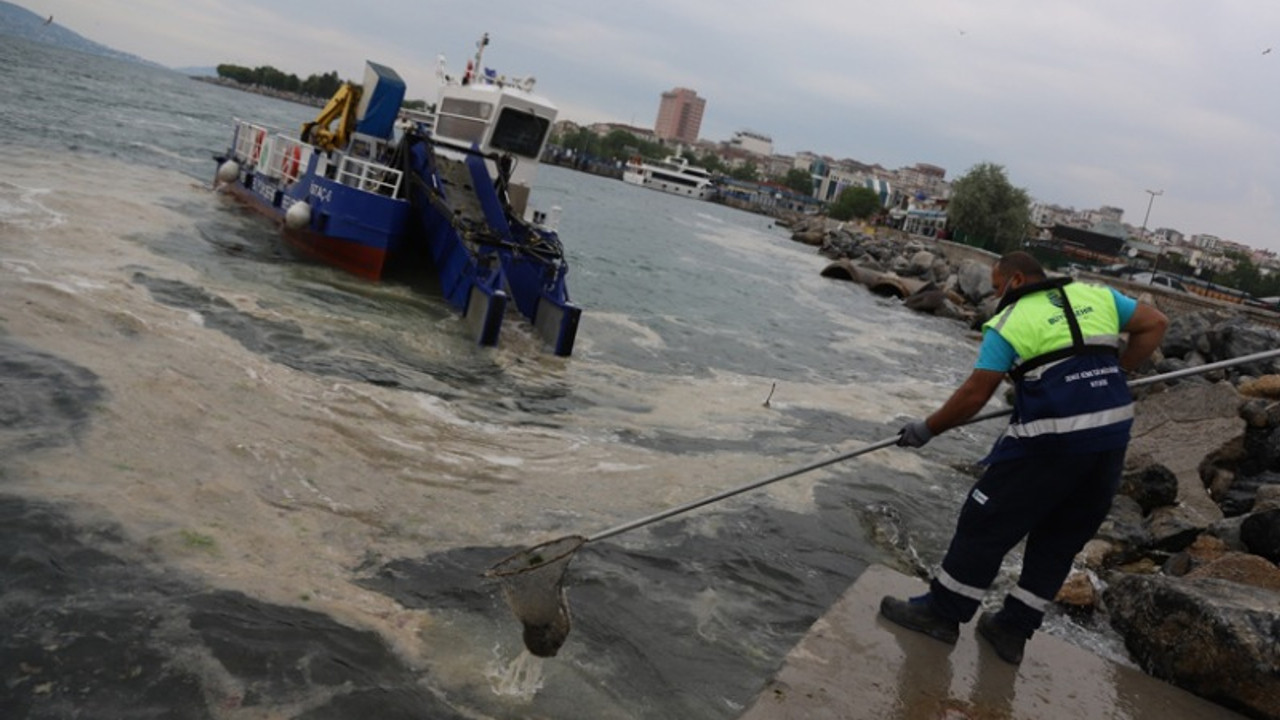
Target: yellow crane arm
(342, 107)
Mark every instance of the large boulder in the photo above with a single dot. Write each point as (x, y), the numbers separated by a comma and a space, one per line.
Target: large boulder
(940, 272)
(1267, 498)
(1242, 568)
(809, 237)
(1239, 336)
(1262, 445)
(1174, 527)
(1260, 533)
(974, 280)
(1187, 332)
(1267, 387)
(1203, 551)
(1078, 593)
(929, 299)
(1241, 495)
(1215, 638)
(1124, 530)
(1152, 486)
(936, 301)
(921, 263)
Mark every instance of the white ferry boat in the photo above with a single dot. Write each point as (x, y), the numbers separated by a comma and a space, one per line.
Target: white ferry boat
(673, 174)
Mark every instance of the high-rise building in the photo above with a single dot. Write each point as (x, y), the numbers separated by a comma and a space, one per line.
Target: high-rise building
(680, 116)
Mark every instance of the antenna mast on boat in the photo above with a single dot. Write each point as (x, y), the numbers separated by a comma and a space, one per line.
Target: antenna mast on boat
(480, 45)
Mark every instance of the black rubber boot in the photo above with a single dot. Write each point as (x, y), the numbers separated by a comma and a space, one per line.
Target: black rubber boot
(1007, 643)
(918, 614)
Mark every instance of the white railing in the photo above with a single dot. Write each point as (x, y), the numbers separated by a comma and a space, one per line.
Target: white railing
(288, 159)
(369, 176)
(273, 154)
(251, 141)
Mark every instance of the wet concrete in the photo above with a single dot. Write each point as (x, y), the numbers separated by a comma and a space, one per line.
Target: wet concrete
(854, 664)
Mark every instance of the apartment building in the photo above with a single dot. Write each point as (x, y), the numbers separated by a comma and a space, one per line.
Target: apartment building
(680, 116)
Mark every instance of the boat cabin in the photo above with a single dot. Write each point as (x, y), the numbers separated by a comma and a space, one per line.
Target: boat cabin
(499, 117)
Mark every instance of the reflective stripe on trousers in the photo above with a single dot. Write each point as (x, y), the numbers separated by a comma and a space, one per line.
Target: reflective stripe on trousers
(1055, 503)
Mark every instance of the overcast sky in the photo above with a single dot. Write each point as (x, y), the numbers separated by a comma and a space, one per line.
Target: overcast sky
(1084, 102)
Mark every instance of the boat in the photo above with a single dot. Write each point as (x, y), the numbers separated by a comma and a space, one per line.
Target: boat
(381, 191)
(672, 174)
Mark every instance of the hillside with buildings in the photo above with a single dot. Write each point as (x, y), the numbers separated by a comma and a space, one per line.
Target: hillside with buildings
(915, 200)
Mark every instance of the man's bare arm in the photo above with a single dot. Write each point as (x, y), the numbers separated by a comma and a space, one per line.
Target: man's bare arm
(966, 401)
(1146, 331)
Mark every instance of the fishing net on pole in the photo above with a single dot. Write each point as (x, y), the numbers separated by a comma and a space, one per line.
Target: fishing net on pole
(532, 584)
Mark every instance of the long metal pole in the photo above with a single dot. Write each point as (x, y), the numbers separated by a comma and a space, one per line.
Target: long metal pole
(1150, 202)
(693, 505)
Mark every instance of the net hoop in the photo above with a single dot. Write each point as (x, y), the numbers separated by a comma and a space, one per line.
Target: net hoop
(538, 557)
(532, 584)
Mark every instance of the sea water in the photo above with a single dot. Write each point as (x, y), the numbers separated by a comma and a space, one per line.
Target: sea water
(236, 483)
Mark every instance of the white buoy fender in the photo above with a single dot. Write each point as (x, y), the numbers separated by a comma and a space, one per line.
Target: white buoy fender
(228, 171)
(297, 216)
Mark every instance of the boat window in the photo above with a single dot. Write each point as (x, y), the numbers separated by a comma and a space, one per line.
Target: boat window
(520, 133)
(466, 108)
(460, 128)
(676, 179)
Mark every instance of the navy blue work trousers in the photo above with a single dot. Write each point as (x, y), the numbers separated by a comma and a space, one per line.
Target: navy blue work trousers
(1056, 503)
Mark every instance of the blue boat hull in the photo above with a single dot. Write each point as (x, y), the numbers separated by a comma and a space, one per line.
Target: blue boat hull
(485, 258)
(454, 223)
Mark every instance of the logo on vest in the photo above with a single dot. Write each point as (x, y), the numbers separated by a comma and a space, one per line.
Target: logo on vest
(1079, 312)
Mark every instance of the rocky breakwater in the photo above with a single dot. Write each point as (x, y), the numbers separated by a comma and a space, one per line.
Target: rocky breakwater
(1185, 568)
(891, 263)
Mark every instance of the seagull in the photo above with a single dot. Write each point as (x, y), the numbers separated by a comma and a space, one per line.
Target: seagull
(46, 22)
(1264, 52)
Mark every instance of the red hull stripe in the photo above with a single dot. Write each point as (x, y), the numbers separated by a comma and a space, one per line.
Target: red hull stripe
(361, 260)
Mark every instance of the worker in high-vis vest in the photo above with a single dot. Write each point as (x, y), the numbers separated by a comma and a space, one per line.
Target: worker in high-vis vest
(1053, 472)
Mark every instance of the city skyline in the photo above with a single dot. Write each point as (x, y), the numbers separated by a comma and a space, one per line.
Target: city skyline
(1085, 104)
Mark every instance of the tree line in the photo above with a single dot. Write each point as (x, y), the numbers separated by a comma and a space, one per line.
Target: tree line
(320, 86)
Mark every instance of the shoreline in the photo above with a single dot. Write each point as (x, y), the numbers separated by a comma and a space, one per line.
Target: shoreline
(299, 98)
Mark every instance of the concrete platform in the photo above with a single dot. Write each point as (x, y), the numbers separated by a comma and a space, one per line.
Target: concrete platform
(854, 664)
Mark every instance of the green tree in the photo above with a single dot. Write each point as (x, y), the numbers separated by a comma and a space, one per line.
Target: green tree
(713, 164)
(583, 141)
(855, 202)
(236, 72)
(746, 172)
(799, 180)
(321, 86)
(986, 210)
(1244, 276)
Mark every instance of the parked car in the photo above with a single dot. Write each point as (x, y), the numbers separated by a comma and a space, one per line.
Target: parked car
(1116, 270)
(1160, 280)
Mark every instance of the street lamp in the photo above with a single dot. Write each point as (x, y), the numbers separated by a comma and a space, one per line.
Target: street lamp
(1150, 201)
